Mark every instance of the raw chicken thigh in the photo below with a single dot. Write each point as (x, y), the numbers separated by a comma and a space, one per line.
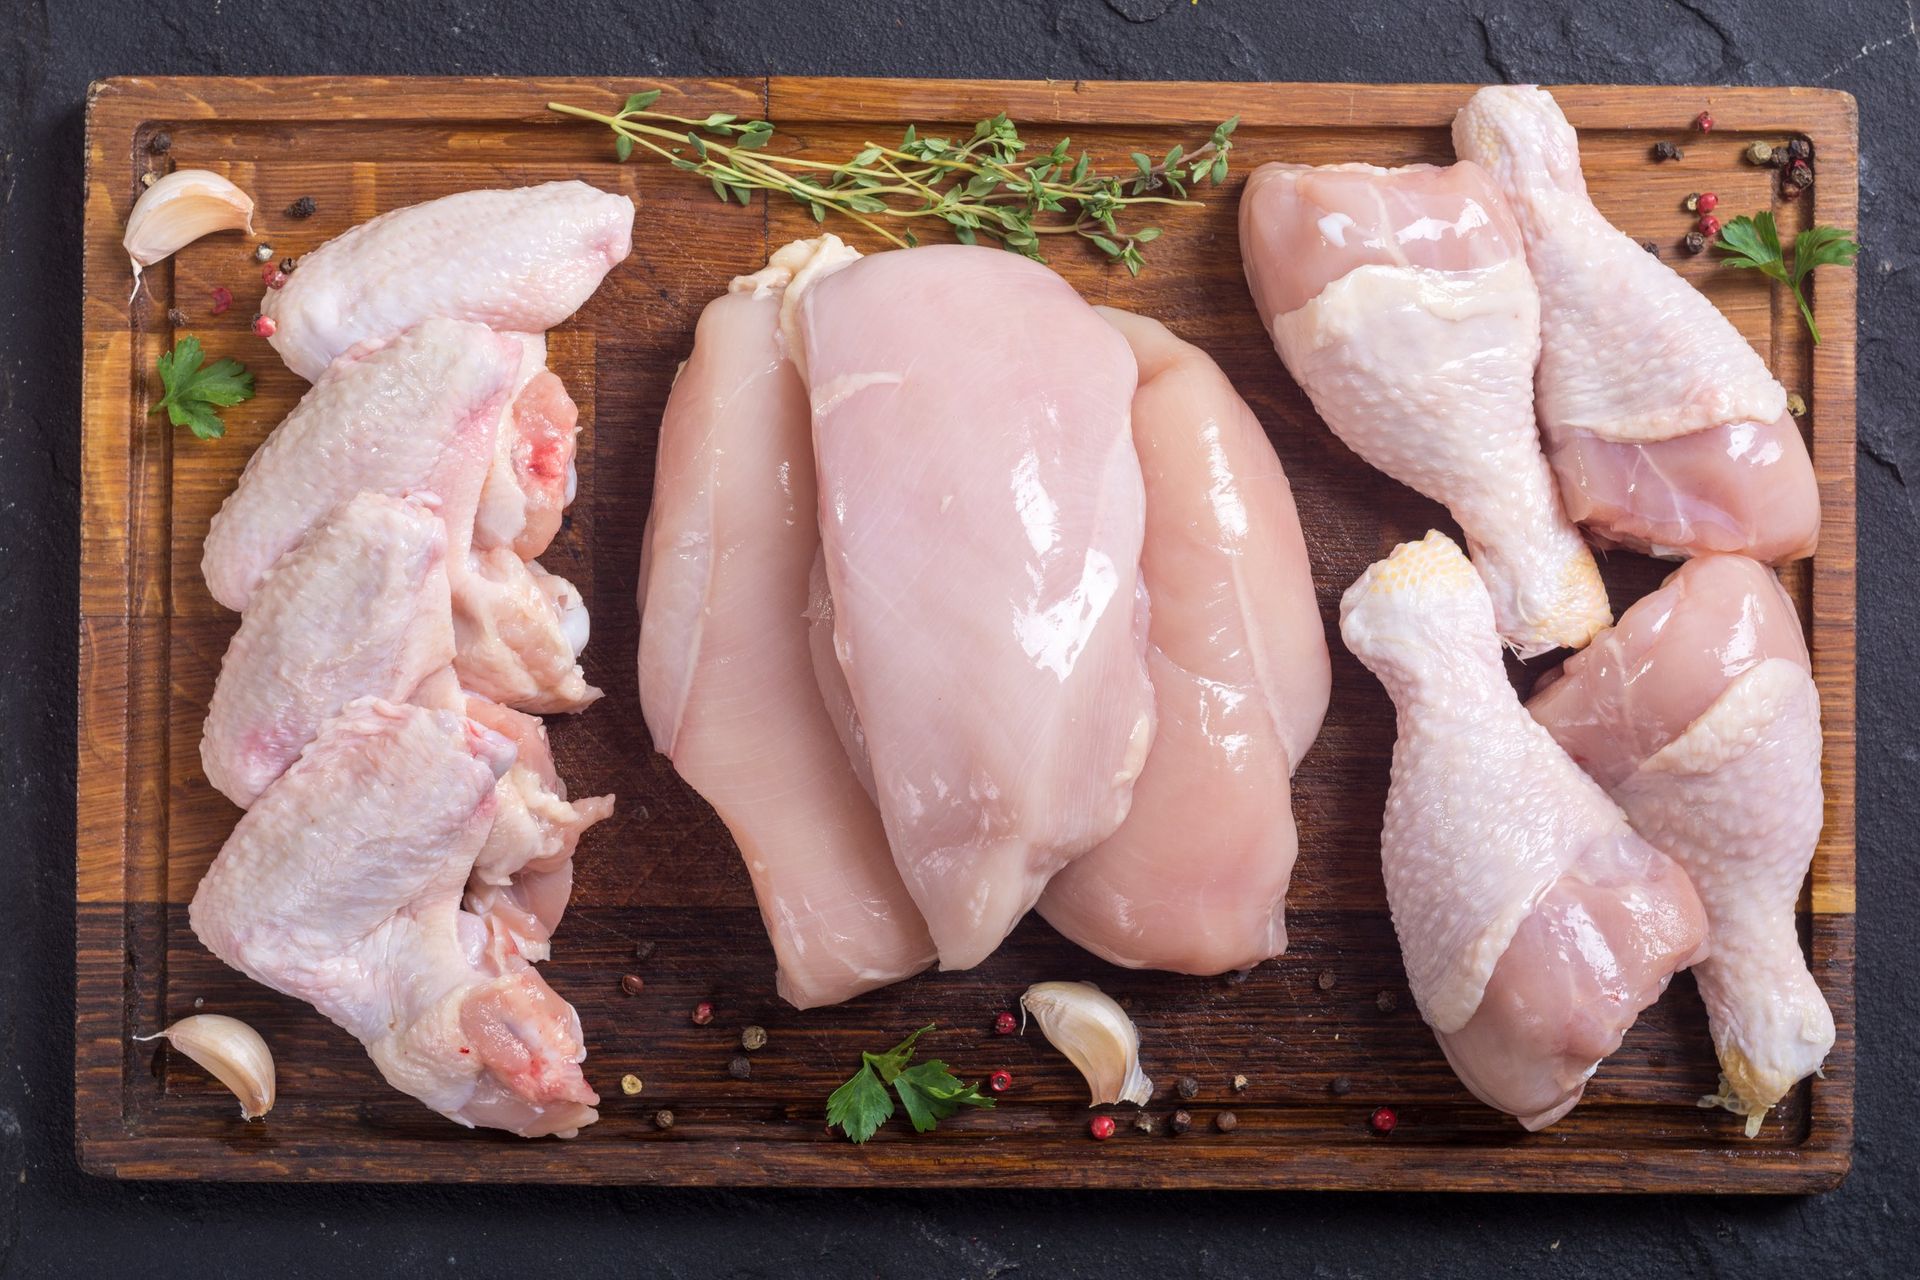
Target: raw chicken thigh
(726, 678)
(519, 261)
(1400, 301)
(1195, 879)
(414, 416)
(1534, 923)
(359, 609)
(981, 515)
(1664, 426)
(1699, 714)
(341, 887)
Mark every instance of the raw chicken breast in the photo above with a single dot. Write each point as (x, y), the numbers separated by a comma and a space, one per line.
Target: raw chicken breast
(1400, 301)
(531, 480)
(832, 680)
(1535, 925)
(414, 416)
(519, 260)
(1664, 426)
(519, 632)
(981, 515)
(359, 609)
(726, 679)
(1699, 714)
(341, 887)
(1195, 879)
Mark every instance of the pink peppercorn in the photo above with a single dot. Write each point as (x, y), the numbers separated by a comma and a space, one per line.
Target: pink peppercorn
(264, 327)
(1003, 1024)
(703, 1013)
(1382, 1120)
(272, 276)
(1000, 1081)
(1709, 202)
(1709, 225)
(1101, 1127)
(1703, 122)
(222, 299)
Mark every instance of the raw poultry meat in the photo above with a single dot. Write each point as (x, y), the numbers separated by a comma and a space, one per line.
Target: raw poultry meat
(726, 678)
(1195, 879)
(531, 480)
(358, 609)
(1698, 713)
(981, 515)
(1663, 424)
(416, 415)
(1534, 923)
(519, 632)
(1400, 301)
(341, 887)
(519, 261)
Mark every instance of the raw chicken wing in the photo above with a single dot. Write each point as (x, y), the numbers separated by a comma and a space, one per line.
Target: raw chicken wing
(1535, 925)
(341, 887)
(519, 261)
(726, 679)
(531, 480)
(1195, 879)
(519, 632)
(1664, 426)
(1699, 714)
(981, 514)
(1400, 301)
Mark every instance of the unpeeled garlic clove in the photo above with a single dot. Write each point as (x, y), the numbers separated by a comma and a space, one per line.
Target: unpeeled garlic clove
(179, 209)
(232, 1051)
(1095, 1033)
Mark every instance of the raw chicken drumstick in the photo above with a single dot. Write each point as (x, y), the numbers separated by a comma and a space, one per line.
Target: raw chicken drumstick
(1534, 923)
(1195, 879)
(342, 886)
(726, 679)
(981, 515)
(1698, 713)
(1664, 426)
(1400, 301)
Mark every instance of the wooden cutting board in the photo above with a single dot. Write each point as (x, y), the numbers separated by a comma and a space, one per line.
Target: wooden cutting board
(1323, 1035)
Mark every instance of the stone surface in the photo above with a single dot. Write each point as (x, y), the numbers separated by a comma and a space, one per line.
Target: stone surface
(54, 1221)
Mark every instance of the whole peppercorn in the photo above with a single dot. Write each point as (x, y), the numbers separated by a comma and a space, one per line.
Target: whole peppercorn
(633, 984)
(703, 1013)
(630, 1085)
(1790, 192)
(264, 327)
(1382, 1120)
(1709, 202)
(752, 1038)
(1709, 225)
(1386, 1002)
(288, 264)
(1692, 203)
(1325, 981)
(1143, 1122)
(222, 298)
(1694, 243)
(262, 252)
(1703, 122)
(1341, 1086)
(303, 208)
(273, 277)
(1800, 174)
(1003, 1024)
(1188, 1088)
(1759, 153)
(160, 143)
(1180, 1122)
(1796, 404)
(1101, 1127)
(1000, 1081)
(176, 317)
(1650, 247)
(1666, 151)
(663, 1120)
(740, 1068)
(641, 950)
(1799, 149)
(1239, 1084)
(1226, 1122)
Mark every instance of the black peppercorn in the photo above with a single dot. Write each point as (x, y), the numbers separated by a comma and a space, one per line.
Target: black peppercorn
(1325, 981)
(176, 317)
(740, 1068)
(1341, 1086)
(1386, 1001)
(1694, 243)
(752, 1038)
(1666, 151)
(287, 265)
(642, 950)
(1800, 174)
(663, 1120)
(1236, 977)
(1226, 1122)
(1180, 1122)
(1799, 149)
(1188, 1088)
(1143, 1122)
(302, 208)
(1650, 247)
(160, 143)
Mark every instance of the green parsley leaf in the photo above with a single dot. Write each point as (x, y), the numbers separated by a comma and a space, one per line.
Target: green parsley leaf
(860, 1106)
(929, 1092)
(1754, 244)
(193, 392)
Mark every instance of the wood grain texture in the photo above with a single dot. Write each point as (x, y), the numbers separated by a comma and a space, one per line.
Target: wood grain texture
(663, 872)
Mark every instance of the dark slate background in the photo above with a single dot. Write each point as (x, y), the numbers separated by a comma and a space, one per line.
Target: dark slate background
(55, 1221)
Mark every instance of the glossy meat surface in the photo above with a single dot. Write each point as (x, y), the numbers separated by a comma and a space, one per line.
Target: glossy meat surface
(1535, 925)
(981, 515)
(519, 260)
(726, 676)
(1195, 879)
(519, 632)
(1700, 715)
(1635, 362)
(529, 483)
(358, 609)
(1400, 301)
(341, 887)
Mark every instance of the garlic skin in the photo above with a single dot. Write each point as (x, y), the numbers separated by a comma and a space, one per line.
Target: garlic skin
(179, 209)
(232, 1051)
(1095, 1033)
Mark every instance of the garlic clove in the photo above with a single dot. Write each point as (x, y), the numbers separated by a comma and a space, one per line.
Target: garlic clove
(1095, 1033)
(232, 1051)
(179, 209)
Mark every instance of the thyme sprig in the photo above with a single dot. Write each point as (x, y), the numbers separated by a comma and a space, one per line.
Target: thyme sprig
(985, 187)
